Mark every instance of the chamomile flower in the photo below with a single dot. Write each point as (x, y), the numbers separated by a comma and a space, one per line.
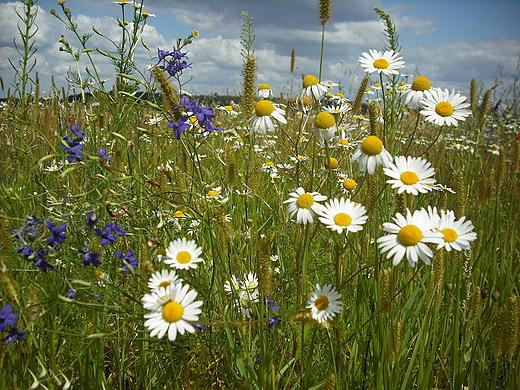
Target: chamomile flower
(324, 303)
(312, 88)
(414, 92)
(444, 107)
(304, 205)
(341, 108)
(371, 153)
(264, 91)
(343, 214)
(172, 309)
(408, 237)
(324, 126)
(410, 174)
(456, 234)
(183, 254)
(163, 278)
(376, 61)
(264, 112)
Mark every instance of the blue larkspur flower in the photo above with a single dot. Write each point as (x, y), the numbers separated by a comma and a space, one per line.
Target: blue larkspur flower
(7, 317)
(103, 154)
(14, 334)
(90, 258)
(106, 234)
(57, 236)
(128, 259)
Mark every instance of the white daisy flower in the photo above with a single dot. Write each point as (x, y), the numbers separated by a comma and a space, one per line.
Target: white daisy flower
(386, 63)
(232, 285)
(414, 93)
(324, 126)
(343, 214)
(410, 174)
(456, 234)
(324, 303)
(304, 205)
(172, 309)
(163, 278)
(408, 236)
(371, 153)
(183, 254)
(444, 108)
(264, 112)
(228, 110)
(250, 283)
(312, 88)
(342, 108)
(264, 91)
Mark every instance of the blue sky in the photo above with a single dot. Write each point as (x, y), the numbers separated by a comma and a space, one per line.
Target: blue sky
(449, 42)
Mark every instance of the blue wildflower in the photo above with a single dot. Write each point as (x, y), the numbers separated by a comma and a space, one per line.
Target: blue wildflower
(71, 293)
(103, 154)
(7, 317)
(91, 219)
(39, 260)
(271, 305)
(107, 236)
(128, 259)
(57, 237)
(14, 334)
(90, 258)
(179, 126)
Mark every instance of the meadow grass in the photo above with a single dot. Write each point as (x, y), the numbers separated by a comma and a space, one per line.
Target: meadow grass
(453, 324)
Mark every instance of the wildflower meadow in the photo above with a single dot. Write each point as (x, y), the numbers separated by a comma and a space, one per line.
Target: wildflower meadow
(326, 239)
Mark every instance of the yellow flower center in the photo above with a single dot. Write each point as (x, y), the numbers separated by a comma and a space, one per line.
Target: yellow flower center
(444, 109)
(269, 164)
(409, 235)
(450, 235)
(342, 219)
(324, 120)
(228, 108)
(213, 193)
(377, 85)
(309, 81)
(179, 214)
(263, 86)
(305, 201)
(172, 311)
(322, 302)
(183, 257)
(372, 145)
(349, 184)
(339, 94)
(343, 141)
(421, 83)
(264, 108)
(381, 63)
(409, 178)
(331, 163)
(164, 283)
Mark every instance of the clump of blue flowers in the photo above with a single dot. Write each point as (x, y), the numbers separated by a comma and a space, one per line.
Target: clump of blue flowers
(72, 143)
(29, 239)
(192, 109)
(174, 62)
(7, 317)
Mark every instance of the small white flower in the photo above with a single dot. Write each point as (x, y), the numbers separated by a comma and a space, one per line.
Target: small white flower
(324, 303)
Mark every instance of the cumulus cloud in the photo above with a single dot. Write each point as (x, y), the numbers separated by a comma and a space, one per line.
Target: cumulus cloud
(279, 27)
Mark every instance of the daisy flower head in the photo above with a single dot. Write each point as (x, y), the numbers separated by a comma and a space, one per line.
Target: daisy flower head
(444, 107)
(304, 205)
(264, 112)
(343, 215)
(455, 234)
(341, 108)
(163, 278)
(371, 153)
(324, 303)
(408, 236)
(376, 61)
(324, 126)
(264, 91)
(312, 88)
(183, 254)
(410, 174)
(348, 184)
(414, 92)
(172, 309)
